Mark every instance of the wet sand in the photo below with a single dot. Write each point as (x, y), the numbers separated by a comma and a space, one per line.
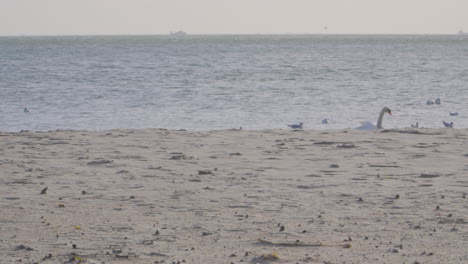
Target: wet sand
(234, 196)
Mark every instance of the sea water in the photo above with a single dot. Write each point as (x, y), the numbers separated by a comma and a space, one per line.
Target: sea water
(231, 81)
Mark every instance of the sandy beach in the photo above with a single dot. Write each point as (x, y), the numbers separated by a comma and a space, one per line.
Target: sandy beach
(234, 196)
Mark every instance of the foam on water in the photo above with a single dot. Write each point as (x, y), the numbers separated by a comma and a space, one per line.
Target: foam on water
(222, 82)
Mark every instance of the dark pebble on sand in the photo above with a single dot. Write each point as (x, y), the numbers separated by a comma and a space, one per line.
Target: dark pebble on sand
(346, 146)
(99, 162)
(21, 247)
(178, 157)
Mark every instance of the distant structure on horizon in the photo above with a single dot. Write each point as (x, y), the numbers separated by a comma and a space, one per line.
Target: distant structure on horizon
(179, 33)
(460, 32)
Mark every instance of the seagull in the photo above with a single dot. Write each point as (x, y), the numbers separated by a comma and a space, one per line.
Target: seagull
(437, 101)
(447, 124)
(415, 126)
(325, 121)
(26, 110)
(454, 113)
(296, 126)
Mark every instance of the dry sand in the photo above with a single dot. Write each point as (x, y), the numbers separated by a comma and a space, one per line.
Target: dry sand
(160, 196)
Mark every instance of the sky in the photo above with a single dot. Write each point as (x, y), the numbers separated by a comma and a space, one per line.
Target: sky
(135, 17)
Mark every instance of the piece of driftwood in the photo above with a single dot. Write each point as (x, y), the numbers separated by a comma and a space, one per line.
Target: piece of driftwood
(302, 244)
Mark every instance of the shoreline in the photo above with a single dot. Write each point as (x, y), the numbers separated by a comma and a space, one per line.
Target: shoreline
(384, 130)
(234, 196)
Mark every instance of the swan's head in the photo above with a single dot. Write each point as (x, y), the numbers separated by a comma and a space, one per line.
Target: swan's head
(387, 110)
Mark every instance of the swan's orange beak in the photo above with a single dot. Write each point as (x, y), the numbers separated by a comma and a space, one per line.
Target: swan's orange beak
(390, 113)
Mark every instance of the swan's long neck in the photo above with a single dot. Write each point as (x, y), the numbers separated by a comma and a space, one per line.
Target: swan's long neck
(379, 121)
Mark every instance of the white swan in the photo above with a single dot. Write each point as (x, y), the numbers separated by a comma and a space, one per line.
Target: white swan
(369, 126)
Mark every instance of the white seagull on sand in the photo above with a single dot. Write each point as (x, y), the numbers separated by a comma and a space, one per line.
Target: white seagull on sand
(296, 126)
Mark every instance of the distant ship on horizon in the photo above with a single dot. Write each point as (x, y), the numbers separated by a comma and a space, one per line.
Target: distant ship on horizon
(179, 33)
(460, 32)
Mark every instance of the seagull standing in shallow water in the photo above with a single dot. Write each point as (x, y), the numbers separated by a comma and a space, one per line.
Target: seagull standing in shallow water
(447, 124)
(296, 126)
